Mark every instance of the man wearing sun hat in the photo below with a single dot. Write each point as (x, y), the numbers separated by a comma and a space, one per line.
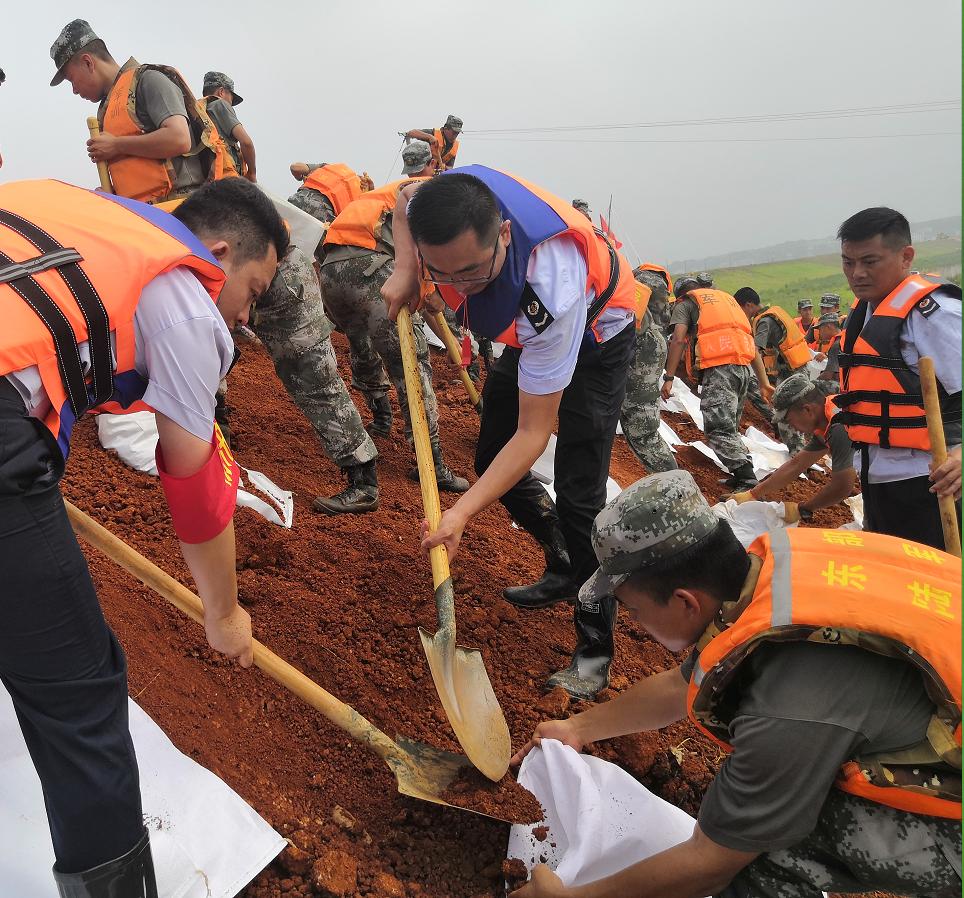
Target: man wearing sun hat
(813, 795)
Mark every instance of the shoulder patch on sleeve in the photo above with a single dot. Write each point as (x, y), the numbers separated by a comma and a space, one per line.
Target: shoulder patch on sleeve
(533, 308)
(928, 305)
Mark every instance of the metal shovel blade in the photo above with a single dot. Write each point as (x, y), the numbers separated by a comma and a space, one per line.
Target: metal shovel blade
(466, 693)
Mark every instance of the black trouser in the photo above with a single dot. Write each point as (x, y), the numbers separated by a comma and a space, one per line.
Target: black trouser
(588, 415)
(904, 508)
(62, 666)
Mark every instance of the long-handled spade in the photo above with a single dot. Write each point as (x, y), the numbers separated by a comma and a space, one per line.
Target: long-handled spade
(421, 771)
(455, 354)
(459, 673)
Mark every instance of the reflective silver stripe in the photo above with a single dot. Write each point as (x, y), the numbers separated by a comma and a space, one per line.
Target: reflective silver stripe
(55, 259)
(780, 597)
(698, 673)
(908, 290)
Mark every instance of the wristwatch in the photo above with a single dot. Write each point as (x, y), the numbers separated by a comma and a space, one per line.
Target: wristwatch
(805, 513)
(668, 377)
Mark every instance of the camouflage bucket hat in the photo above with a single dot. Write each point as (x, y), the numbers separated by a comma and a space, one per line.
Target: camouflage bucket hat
(453, 122)
(652, 520)
(72, 39)
(804, 304)
(791, 391)
(830, 301)
(415, 157)
(214, 80)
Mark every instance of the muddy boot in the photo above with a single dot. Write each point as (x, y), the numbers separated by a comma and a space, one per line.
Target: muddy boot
(555, 585)
(359, 497)
(588, 672)
(742, 478)
(381, 409)
(447, 479)
(129, 876)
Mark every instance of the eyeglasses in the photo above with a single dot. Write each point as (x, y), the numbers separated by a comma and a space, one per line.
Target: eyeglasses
(467, 277)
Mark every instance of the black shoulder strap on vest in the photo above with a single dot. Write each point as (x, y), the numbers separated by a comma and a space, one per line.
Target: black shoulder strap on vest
(57, 257)
(599, 303)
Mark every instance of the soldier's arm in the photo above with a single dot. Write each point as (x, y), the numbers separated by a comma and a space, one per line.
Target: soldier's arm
(247, 151)
(787, 473)
(402, 285)
(766, 389)
(415, 134)
(172, 138)
(836, 489)
(677, 344)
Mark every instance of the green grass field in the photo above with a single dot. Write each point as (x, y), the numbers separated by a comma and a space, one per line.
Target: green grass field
(783, 283)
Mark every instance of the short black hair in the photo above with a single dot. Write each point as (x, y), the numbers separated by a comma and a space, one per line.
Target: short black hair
(98, 49)
(717, 564)
(865, 225)
(746, 296)
(233, 209)
(449, 205)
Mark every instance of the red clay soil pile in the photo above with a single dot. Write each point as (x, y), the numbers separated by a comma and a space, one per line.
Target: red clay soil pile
(341, 598)
(504, 800)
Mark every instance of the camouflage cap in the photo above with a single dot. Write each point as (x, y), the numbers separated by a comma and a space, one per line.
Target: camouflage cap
(415, 157)
(581, 205)
(684, 285)
(830, 301)
(704, 279)
(453, 122)
(75, 36)
(792, 390)
(655, 280)
(654, 519)
(829, 318)
(214, 80)
(804, 304)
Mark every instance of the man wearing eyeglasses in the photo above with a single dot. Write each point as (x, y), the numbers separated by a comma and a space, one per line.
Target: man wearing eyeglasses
(358, 256)
(524, 267)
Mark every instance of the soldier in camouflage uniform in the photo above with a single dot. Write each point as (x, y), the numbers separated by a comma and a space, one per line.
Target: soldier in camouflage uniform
(290, 321)
(367, 372)
(772, 824)
(639, 417)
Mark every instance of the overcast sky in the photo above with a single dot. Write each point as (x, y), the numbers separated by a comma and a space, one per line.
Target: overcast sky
(334, 81)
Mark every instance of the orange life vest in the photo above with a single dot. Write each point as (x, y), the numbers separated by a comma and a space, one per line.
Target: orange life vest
(233, 164)
(723, 333)
(537, 216)
(152, 180)
(360, 222)
(793, 347)
(642, 297)
(817, 586)
(651, 266)
(879, 393)
(446, 156)
(337, 182)
(829, 410)
(825, 346)
(84, 259)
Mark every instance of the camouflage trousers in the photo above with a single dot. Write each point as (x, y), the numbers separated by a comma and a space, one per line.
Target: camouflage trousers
(859, 846)
(755, 398)
(789, 436)
(316, 204)
(352, 293)
(291, 323)
(639, 416)
(722, 397)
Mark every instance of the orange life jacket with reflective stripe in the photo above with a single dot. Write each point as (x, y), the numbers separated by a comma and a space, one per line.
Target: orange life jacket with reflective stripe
(879, 393)
(447, 156)
(793, 347)
(815, 585)
(723, 333)
(152, 180)
(537, 216)
(110, 248)
(337, 182)
(360, 222)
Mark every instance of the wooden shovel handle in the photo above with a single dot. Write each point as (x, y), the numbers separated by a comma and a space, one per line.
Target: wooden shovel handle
(935, 430)
(423, 446)
(455, 354)
(341, 715)
(93, 126)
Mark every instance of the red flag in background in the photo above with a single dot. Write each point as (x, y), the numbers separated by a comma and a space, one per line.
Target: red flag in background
(604, 226)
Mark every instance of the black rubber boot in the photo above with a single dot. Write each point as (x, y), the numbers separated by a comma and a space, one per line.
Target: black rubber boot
(129, 876)
(742, 478)
(588, 672)
(555, 585)
(360, 496)
(382, 417)
(447, 479)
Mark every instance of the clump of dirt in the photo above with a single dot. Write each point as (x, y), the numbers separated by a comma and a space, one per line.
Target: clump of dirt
(504, 800)
(341, 598)
(515, 872)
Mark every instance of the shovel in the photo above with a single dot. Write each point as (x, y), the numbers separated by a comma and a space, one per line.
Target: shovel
(459, 673)
(455, 354)
(421, 771)
(93, 126)
(935, 430)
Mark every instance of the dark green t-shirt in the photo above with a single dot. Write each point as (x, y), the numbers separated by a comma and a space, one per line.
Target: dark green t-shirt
(801, 710)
